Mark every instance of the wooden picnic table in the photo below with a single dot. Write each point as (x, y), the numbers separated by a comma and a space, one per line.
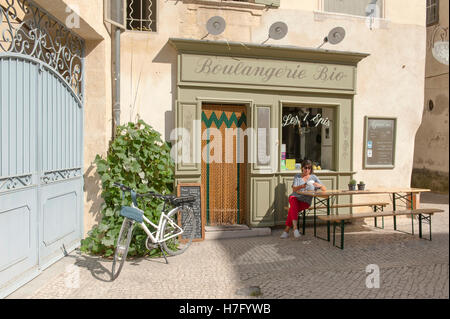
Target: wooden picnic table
(324, 199)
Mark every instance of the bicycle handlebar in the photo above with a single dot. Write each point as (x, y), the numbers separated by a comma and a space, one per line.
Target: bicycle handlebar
(129, 189)
(153, 194)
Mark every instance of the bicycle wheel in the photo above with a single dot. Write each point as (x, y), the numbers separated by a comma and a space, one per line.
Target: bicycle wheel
(123, 243)
(177, 244)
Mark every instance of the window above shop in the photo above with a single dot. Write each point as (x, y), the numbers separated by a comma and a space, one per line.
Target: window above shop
(142, 15)
(273, 3)
(307, 133)
(432, 12)
(238, 3)
(363, 8)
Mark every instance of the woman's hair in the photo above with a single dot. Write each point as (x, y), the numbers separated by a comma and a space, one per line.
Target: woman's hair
(309, 164)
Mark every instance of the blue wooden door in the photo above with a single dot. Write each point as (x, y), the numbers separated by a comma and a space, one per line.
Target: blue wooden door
(41, 142)
(41, 182)
(60, 161)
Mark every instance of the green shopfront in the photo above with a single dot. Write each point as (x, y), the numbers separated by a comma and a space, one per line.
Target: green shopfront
(249, 114)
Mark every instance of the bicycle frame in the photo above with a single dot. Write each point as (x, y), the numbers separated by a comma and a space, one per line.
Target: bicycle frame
(156, 239)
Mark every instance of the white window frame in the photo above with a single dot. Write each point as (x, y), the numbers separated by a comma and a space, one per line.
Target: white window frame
(321, 9)
(250, 4)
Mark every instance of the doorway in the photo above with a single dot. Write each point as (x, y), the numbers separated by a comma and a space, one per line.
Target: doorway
(224, 163)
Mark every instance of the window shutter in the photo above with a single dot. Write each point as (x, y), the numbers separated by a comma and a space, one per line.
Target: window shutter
(273, 3)
(115, 12)
(432, 12)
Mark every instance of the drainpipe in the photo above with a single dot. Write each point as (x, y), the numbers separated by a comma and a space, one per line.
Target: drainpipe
(116, 104)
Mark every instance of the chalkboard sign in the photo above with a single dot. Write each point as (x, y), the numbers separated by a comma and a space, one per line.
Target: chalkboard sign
(192, 189)
(379, 148)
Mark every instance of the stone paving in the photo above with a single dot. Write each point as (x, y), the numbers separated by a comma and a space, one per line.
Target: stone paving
(409, 267)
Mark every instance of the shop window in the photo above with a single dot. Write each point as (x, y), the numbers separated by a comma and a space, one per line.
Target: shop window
(372, 8)
(141, 15)
(307, 133)
(432, 12)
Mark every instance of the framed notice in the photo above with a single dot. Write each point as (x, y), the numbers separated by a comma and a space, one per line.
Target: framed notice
(199, 208)
(379, 142)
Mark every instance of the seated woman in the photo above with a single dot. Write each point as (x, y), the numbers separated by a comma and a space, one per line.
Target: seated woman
(306, 181)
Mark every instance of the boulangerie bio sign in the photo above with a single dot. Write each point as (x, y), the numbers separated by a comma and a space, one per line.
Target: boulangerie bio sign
(266, 72)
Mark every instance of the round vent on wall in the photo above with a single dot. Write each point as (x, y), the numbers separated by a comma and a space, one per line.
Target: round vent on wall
(278, 30)
(216, 25)
(430, 105)
(336, 35)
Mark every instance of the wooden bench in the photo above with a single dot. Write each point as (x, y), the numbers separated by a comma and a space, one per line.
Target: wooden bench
(372, 204)
(339, 220)
(376, 207)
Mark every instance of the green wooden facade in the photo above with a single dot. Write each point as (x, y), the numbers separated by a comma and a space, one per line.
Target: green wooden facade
(265, 78)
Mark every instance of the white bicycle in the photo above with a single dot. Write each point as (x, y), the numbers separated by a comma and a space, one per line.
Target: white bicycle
(173, 234)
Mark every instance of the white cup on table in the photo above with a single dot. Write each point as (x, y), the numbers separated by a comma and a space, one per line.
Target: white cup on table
(310, 185)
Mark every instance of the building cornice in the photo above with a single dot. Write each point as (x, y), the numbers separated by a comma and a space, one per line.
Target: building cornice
(279, 52)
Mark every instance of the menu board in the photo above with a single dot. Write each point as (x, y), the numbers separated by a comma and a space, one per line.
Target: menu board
(194, 189)
(379, 148)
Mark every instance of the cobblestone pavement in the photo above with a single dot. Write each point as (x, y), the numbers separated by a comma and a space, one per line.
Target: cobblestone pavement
(409, 267)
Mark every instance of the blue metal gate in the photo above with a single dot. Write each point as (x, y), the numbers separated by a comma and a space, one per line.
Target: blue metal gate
(41, 142)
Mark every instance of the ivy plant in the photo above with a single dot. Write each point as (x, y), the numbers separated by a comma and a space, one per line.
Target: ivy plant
(138, 158)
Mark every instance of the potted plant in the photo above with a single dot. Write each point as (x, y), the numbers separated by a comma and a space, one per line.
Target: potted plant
(361, 186)
(352, 185)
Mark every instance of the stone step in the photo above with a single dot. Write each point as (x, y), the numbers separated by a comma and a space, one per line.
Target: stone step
(234, 231)
(226, 227)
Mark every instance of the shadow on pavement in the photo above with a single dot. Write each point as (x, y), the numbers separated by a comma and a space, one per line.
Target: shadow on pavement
(98, 270)
(433, 198)
(93, 264)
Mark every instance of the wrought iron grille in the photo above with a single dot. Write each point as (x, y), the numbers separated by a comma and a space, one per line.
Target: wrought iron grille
(141, 15)
(27, 29)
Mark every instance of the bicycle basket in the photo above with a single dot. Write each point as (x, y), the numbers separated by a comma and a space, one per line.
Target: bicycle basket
(132, 213)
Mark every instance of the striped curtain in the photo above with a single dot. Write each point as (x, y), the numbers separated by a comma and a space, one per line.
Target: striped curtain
(223, 175)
